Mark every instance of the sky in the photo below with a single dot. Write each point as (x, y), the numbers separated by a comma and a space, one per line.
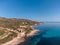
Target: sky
(39, 10)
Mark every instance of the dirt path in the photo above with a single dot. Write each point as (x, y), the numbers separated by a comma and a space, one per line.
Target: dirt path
(17, 40)
(3, 36)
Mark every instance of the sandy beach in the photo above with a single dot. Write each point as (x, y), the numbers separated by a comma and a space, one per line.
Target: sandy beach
(17, 40)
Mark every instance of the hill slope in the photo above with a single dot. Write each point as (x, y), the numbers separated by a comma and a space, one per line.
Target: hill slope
(15, 22)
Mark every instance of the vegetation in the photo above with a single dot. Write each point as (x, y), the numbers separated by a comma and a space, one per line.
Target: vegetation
(2, 32)
(14, 24)
(8, 38)
(28, 29)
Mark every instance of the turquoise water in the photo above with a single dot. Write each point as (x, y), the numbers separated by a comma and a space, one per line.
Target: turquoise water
(51, 34)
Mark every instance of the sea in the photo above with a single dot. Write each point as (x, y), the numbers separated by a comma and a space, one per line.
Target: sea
(49, 35)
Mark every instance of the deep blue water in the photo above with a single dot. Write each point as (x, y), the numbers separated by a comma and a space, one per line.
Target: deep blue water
(50, 35)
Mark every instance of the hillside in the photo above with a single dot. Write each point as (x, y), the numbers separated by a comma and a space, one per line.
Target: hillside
(15, 22)
(14, 27)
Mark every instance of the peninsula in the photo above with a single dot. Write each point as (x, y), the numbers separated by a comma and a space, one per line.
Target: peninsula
(14, 30)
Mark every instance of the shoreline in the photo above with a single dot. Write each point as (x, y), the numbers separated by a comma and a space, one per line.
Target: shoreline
(16, 40)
